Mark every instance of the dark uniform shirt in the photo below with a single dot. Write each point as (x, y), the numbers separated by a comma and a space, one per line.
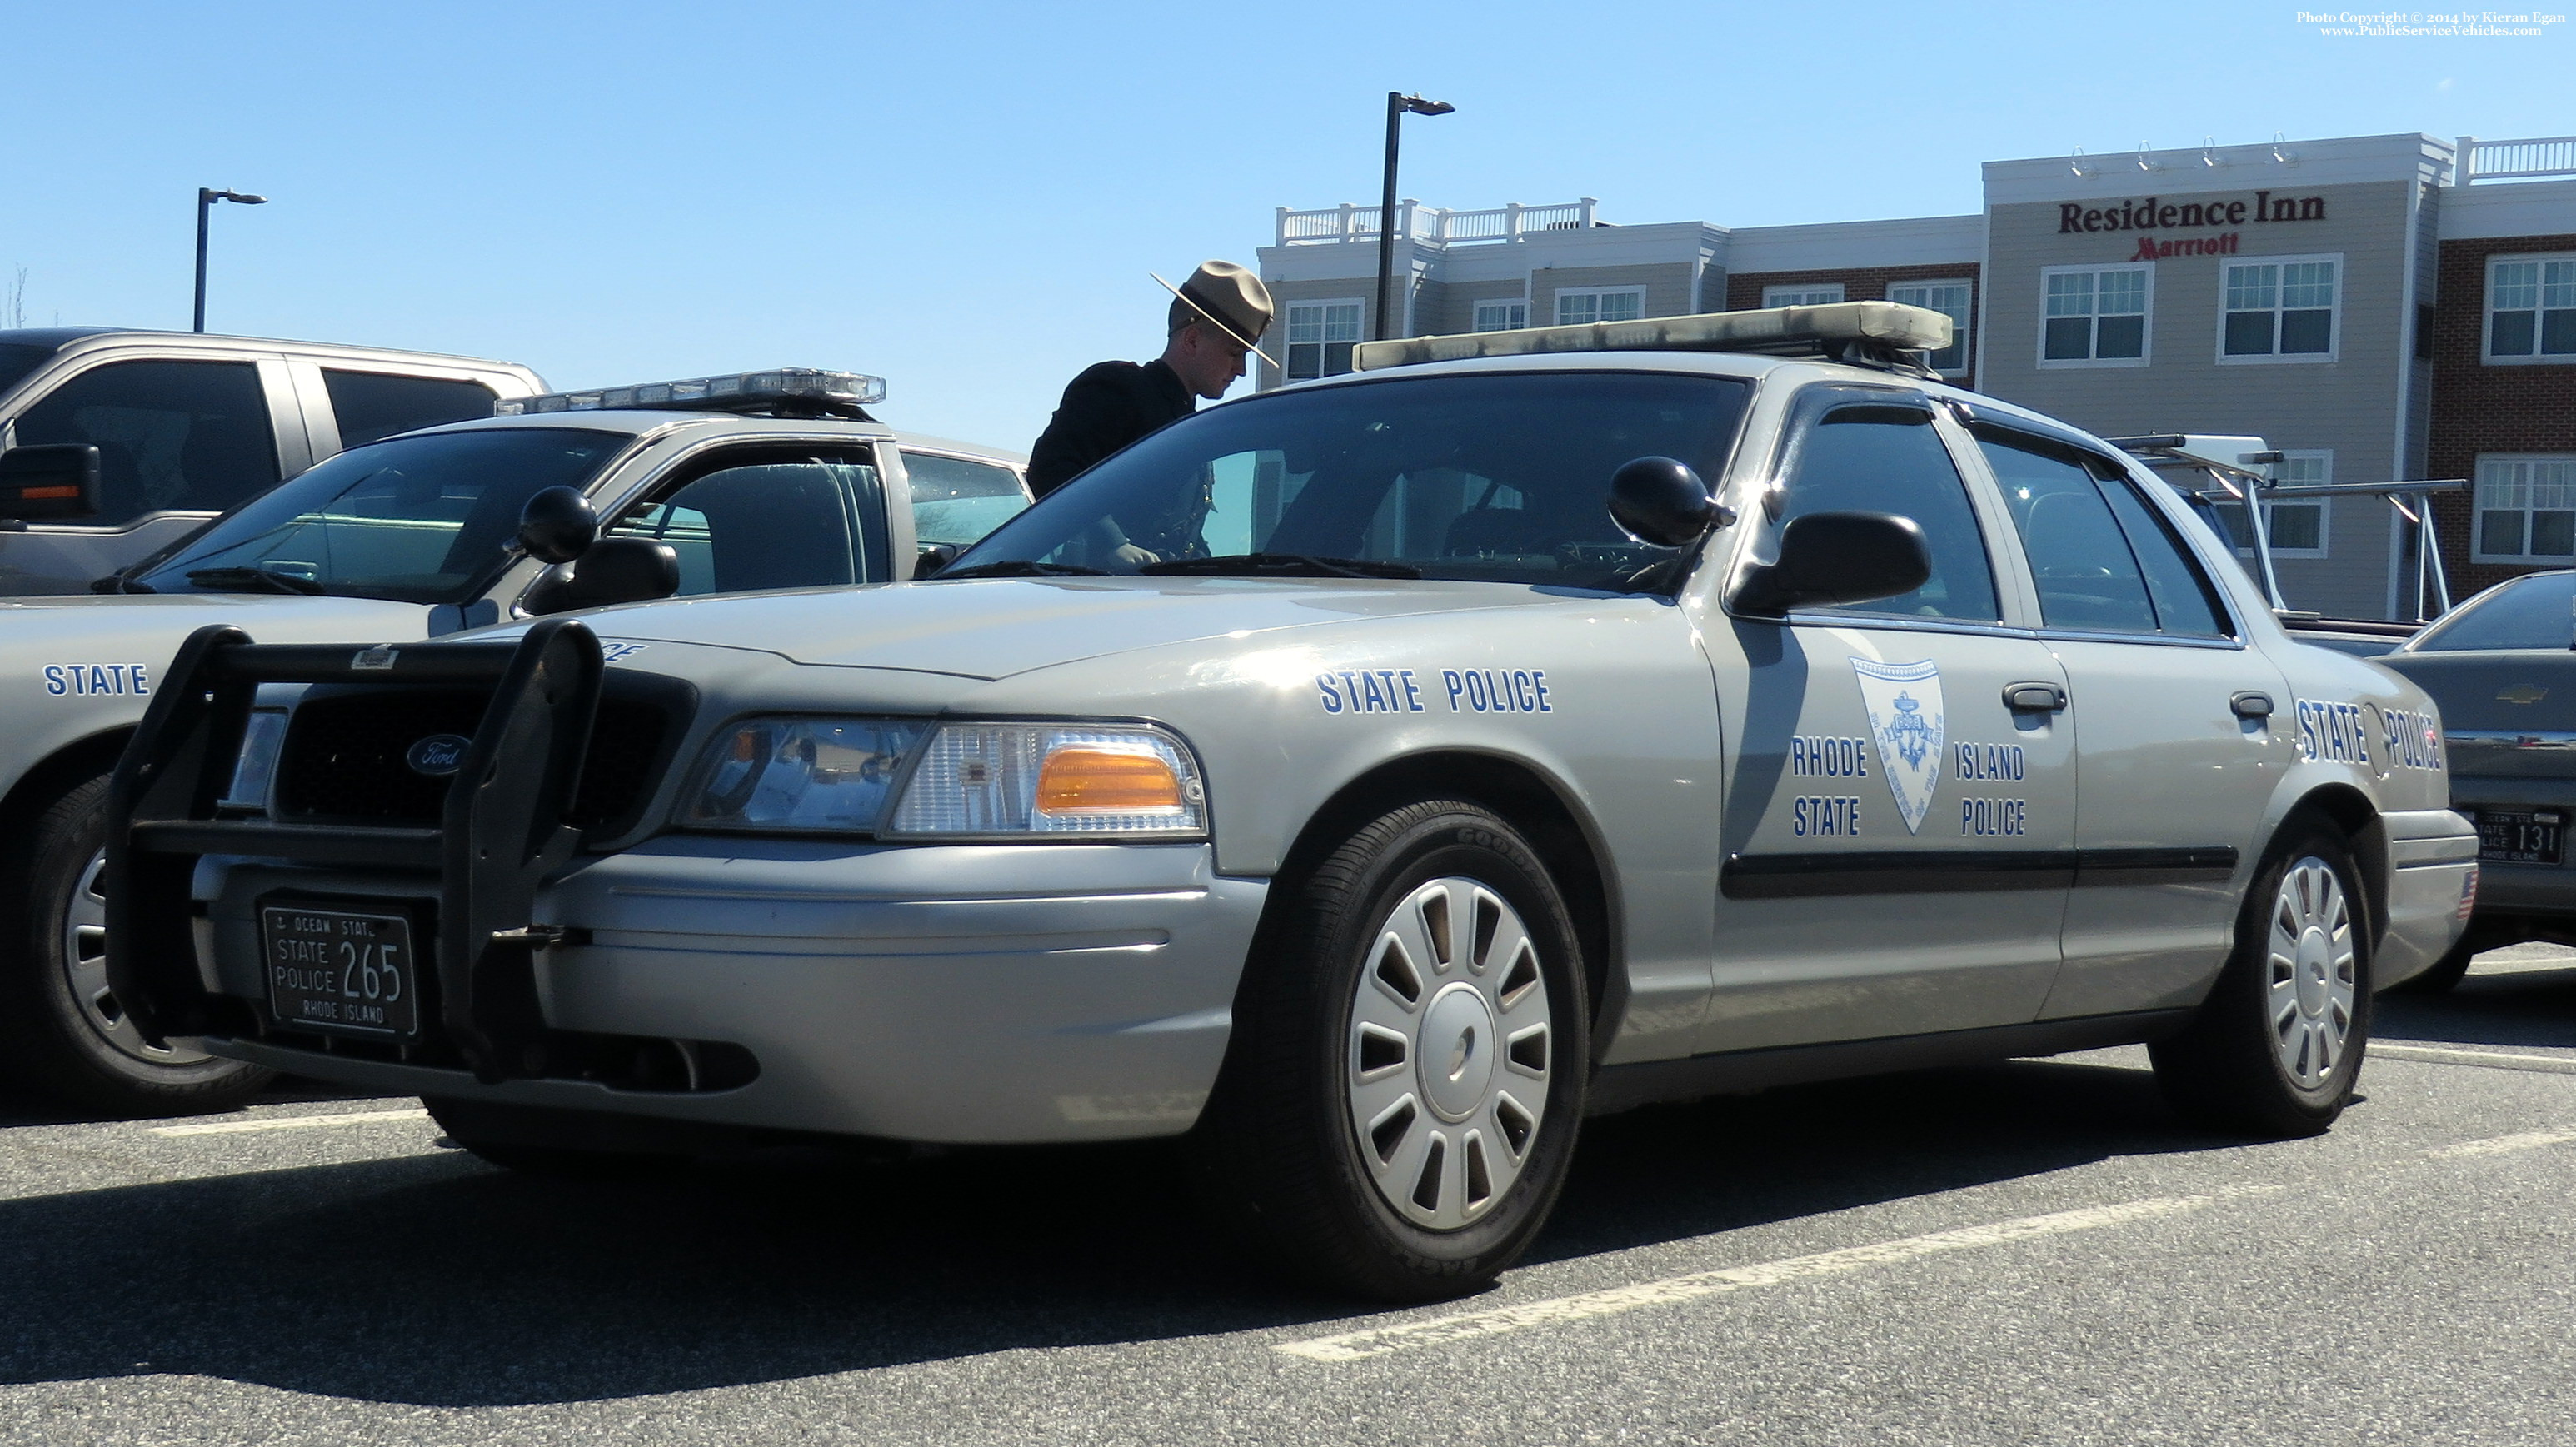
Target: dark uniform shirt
(1104, 409)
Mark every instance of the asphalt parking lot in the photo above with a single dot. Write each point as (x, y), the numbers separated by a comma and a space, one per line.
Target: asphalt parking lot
(2032, 1252)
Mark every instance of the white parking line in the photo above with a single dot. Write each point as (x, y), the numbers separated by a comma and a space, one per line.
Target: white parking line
(1352, 1346)
(289, 1122)
(2492, 1059)
(2502, 1145)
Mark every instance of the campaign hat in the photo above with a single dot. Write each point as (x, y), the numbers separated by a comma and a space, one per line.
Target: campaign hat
(1229, 296)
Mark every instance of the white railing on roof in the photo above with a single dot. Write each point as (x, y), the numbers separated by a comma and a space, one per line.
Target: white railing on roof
(1432, 224)
(2524, 160)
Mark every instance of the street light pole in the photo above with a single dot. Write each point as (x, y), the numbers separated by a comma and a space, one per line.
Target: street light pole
(206, 199)
(1397, 103)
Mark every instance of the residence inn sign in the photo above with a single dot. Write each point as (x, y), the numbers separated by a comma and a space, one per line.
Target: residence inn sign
(2153, 214)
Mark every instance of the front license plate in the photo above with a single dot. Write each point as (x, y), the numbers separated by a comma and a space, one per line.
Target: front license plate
(2520, 836)
(341, 970)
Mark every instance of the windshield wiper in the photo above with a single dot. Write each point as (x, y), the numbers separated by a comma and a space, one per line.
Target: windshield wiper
(119, 583)
(1023, 568)
(1292, 565)
(253, 580)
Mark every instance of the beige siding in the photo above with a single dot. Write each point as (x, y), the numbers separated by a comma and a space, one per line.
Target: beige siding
(1459, 314)
(1669, 287)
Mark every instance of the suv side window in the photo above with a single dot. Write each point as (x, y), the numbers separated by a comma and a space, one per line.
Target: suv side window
(171, 436)
(775, 523)
(372, 405)
(1885, 456)
(2100, 556)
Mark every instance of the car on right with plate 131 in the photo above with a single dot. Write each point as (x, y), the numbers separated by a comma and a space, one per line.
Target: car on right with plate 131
(2503, 668)
(1371, 780)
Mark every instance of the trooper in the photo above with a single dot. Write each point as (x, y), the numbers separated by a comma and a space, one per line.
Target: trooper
(1217, 316)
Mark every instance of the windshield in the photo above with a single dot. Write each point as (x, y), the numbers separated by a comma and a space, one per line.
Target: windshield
(1500, 476)
(419, 519)
(17, 359)
(2538, 611)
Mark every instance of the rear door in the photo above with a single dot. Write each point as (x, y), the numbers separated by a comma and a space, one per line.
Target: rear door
(1897, 832)
(2176, 758)
(180, 438)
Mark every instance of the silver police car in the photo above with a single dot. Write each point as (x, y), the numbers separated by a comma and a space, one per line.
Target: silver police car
(1527, 726)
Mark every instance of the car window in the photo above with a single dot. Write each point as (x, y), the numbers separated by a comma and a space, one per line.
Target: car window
(374, 405)
(2537, 611)
(957, 502)
(777, 523)
(1885, 457)
(423, 519)
(171, 436)
(2101, 557)
(1500, 477)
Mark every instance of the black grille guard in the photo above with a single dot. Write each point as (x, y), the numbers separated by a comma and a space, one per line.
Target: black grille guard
(503, 830)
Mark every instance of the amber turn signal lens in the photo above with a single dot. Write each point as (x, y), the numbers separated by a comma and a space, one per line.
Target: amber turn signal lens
(1083, 779)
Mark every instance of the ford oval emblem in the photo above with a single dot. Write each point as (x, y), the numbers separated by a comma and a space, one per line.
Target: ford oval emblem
(438, 756)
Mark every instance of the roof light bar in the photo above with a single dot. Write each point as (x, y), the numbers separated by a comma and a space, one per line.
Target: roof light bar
(791, 391)
(1845, 330)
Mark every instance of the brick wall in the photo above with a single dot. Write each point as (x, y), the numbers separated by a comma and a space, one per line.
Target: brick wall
(2478, 408)
(1861, 283)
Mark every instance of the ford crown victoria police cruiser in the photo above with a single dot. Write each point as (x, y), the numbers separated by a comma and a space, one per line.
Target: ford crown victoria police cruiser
(405, 539)
(1404, 809)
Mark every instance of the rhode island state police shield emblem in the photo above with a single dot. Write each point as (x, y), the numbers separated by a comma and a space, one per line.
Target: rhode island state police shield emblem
(1905, 722)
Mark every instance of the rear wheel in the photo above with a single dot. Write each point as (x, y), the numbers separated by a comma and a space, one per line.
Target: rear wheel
(2275, 1049)
(62, 1031)
(1401, 1101)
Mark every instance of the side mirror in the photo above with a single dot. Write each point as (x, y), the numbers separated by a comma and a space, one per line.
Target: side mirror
(49, 480)
(1660, 501)
(1828, 559)
(614, 570)
(935, 556)
(557, 525)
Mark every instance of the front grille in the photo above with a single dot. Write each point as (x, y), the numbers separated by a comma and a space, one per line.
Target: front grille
(346, 758)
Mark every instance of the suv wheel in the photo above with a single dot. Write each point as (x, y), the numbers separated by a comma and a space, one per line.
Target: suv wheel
(2275, 1049)
(62, 1032)
(1401, 1101)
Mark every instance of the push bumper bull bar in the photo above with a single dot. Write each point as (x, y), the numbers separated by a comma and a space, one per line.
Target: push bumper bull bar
(502, 830)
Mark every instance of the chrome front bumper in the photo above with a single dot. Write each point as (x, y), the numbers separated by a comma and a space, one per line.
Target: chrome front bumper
(958, 993)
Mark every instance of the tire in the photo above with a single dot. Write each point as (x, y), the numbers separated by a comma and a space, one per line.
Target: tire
(1402, 1095)
(61, 1032)
(535, 1140)
(2276, 1047)
(2446, 972)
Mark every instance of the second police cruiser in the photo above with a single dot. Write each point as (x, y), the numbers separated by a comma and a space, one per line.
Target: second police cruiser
(1408, 813)
(712, 485)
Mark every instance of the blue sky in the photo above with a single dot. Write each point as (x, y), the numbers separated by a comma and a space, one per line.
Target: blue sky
(967, 198)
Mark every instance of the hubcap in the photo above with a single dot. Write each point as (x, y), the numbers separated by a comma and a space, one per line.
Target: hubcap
(1450, 1053)
(2313, 978)
(85, 971)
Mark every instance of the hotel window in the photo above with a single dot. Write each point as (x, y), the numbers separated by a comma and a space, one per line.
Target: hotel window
(1951, 299)
(2094, 315)
(2526, 509)
(1600, 304)
(2279, 309)
(2531, 308)
(1320, 337)
(2297, 525)
(1501, 316)
(1806, 294)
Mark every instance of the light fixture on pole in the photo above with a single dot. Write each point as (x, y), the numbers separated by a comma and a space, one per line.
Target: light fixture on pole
(206, 199)
(1397, 103)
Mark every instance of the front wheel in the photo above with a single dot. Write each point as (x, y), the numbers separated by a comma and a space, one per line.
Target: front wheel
(1400, 1103)
(63, 1033)
(2276, 1047)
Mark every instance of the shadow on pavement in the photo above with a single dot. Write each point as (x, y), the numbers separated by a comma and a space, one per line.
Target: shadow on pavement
(2525, 1007)
(438, 1281)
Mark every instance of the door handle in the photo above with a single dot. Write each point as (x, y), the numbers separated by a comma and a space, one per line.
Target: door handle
(2034, 697)
(2250, 704)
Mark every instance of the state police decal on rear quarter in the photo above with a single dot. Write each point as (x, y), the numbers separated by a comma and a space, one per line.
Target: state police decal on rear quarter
(2332, 732)
(1905, 717)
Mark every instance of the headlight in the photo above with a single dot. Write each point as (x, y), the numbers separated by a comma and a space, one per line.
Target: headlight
(964, 780)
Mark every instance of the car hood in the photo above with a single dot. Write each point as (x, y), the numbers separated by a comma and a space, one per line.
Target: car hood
(2502, 691)
(127, 626)
(993, 628)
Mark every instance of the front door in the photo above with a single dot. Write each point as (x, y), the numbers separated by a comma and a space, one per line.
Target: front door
(1901, 804)
(2176, 760)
